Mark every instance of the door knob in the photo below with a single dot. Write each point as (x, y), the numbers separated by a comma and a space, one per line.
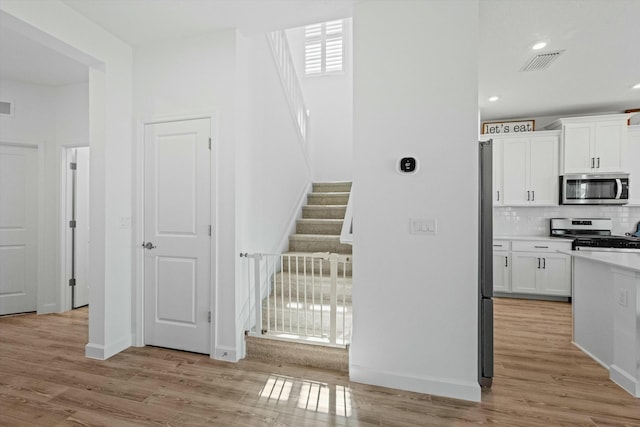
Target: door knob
(148, 245)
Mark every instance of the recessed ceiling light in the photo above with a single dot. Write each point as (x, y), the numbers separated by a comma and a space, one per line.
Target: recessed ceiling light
(538, 45)
(493, 99)
(636, 86)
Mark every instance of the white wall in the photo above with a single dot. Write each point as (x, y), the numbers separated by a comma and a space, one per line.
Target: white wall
(57, 26)
(272, 160)
(415, 297)
(329, 100)
(196, 76)
(274, 166)
(261, 169)
(33, 120)
(53, 116)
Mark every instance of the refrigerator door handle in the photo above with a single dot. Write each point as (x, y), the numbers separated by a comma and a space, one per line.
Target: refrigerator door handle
(538, 262)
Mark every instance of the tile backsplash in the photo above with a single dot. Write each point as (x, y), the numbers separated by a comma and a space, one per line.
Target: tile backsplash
(534, 221)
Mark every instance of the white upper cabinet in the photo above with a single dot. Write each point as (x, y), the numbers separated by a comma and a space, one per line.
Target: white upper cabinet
(593, 144)
(529, 168)
(633, 164)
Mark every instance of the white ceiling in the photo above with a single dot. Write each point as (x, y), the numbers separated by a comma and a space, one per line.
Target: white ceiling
(141, 21)
(25, 60)
(601, 61)
(595, 73)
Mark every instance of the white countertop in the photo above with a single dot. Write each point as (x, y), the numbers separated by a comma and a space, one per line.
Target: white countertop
(627, 260)
(535, 238)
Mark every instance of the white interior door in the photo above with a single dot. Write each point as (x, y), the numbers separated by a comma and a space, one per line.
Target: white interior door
(82, 227)
(177, 265)
(18, 229)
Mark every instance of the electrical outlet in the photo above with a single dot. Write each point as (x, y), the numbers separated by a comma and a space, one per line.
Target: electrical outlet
(623, 298)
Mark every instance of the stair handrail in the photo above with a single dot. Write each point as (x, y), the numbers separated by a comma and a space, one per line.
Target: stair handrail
(346, 234)
(289, 79)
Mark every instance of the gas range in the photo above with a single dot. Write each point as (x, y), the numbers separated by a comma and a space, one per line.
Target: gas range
(593, 234)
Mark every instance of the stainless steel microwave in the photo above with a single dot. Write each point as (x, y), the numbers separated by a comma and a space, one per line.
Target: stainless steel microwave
(594, 189)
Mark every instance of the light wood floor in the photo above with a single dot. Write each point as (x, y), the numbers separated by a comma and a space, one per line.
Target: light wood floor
(541, 380)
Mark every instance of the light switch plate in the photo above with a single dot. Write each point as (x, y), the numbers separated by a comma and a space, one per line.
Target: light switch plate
(423, 226)
(125, 222)
(623, 297)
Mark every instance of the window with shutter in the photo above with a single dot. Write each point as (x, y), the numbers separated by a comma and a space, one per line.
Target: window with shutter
(324, 48)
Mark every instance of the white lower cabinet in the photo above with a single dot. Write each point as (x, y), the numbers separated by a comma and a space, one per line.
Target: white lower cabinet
(533, 267)
(501, 271)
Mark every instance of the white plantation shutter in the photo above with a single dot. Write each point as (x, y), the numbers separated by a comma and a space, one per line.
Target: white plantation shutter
(324, 48)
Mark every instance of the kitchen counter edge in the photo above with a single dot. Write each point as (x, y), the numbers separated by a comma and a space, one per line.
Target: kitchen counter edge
(626, 260)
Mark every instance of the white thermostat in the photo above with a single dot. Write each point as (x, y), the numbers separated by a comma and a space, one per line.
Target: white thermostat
(408, 166)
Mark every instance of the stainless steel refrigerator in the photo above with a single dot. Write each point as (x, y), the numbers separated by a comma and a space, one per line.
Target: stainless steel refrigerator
(485, 266)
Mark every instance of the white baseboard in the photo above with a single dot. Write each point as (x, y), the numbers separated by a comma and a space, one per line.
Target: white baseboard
(437, 386)
(103, 352)
(224, 353)
(624, 380)
(48, 308)
(591, 355)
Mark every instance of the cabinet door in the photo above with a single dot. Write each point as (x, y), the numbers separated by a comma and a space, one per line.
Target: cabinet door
(498, 193)
(501, 275)
(525, 271)
(544, 171)
(516, 168)
(578, 144)
(610, 145)
(556, 275)
(633, 165)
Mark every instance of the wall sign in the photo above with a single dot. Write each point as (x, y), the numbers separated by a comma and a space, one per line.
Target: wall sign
(517, 126)
(635, 118)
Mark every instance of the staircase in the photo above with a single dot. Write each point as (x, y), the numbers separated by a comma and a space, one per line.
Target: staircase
(318, 231)
(319, 228)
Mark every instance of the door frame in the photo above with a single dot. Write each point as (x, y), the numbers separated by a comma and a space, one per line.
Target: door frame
(65, 231)
(41, 307)
(137, 236)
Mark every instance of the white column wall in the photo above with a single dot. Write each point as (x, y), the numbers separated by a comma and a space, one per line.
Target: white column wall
(56, 25)
(415, 297)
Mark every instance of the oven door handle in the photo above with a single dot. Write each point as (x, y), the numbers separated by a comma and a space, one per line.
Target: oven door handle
(619, 186)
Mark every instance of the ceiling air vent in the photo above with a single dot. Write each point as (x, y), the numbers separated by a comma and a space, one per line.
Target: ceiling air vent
(6, 108)
(541, 61)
